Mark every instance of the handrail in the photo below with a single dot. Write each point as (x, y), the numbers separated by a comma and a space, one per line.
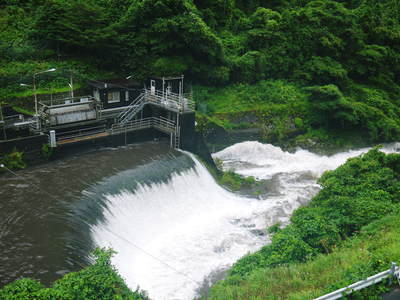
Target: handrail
(131, 110)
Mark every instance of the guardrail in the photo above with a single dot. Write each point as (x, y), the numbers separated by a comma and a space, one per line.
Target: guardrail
(394, 271)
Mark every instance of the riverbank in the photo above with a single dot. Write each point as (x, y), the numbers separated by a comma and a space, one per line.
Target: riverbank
(370, 252)
(290, 115)
(362, 192)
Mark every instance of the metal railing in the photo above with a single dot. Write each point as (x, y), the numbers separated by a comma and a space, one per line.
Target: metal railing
(68, 101)
(13, 118)
(126, 115)
(73, 134)
(394, 271)
(160, 123)
(172, 101)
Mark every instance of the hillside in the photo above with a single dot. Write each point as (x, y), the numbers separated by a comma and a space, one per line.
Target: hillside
(305, 69)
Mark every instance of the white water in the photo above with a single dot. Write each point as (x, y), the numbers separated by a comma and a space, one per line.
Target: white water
(191, 225)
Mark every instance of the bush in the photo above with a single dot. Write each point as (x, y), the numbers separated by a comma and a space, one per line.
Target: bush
(99, 281)
(46, 151)
(14, 160)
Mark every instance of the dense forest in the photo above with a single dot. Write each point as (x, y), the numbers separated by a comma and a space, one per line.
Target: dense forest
(308, 68)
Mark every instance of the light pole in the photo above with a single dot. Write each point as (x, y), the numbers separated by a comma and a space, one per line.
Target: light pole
(71, 84)
(35, 94)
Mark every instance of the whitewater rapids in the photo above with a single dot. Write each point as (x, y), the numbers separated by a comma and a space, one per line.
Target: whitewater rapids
(174, 236)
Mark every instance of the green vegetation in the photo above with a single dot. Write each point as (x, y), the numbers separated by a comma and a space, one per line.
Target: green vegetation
(364, 190)
(230, 179)
(287, 111)
(370, 252)
(13, 160)
(46, 151)
(305, 69)
(98, 281)
(235, 181)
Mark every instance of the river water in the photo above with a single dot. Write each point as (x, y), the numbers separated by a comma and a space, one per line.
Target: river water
(174, 228)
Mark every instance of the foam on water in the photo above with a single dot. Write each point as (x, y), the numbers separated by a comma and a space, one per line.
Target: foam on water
(189, 223)
(171, 235)
(265, 160)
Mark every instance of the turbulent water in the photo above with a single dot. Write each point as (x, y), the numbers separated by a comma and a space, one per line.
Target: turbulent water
(44, 219)
(175, 229)
(178, 230)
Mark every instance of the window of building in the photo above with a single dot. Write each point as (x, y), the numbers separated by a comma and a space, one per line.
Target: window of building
(127, 96)
(113, 97)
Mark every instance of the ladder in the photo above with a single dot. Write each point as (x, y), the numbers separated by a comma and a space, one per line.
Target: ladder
(126, 115)
(177, 138)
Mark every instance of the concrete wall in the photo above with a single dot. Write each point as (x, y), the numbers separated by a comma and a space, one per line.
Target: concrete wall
(25, 144)
(188, 134)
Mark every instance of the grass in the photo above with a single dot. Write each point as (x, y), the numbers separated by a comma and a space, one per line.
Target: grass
(240, 98)
(370, 252)
(51, 90)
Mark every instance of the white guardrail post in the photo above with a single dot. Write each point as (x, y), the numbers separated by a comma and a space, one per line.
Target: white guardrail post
(394, 271)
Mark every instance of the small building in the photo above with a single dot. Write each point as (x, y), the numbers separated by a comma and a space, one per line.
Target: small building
(114, 93)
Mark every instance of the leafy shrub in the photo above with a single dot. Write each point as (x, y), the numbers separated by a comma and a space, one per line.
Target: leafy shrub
(14, 160)
(98, 281)
(46, 151)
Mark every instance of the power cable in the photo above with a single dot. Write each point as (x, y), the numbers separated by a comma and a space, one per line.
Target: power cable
(154, 257)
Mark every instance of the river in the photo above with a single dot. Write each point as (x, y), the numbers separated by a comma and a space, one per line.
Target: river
(174, 228)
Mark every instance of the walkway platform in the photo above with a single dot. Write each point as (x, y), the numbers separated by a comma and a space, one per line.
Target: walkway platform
(82, 138)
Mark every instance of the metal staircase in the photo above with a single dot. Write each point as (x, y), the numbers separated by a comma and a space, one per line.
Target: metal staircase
(126, 115)
(171, 102)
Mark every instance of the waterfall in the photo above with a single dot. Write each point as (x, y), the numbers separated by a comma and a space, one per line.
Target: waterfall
(178, 230)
